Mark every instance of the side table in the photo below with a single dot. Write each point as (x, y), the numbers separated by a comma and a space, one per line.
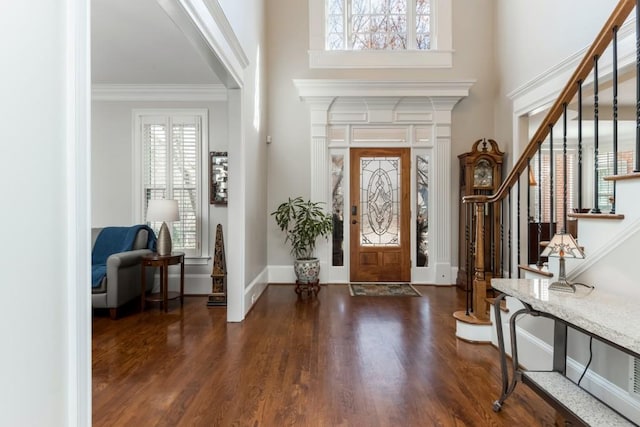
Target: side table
(162, 261)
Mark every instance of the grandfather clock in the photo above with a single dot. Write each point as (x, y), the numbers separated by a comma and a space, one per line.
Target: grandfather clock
(480, 173)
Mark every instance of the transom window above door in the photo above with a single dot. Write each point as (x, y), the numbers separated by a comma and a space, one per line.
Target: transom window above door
(380, 34)
(378, 24)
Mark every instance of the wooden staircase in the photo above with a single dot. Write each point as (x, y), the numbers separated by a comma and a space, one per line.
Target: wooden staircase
(604, 235)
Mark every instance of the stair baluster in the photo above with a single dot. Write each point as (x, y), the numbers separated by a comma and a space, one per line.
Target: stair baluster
(580, 146)
(564, 169)
(596, 201)
(637, 167)
(615, 115)
(552, 183)
(539, 249)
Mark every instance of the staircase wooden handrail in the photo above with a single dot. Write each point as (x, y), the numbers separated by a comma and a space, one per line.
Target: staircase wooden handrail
(600, 44)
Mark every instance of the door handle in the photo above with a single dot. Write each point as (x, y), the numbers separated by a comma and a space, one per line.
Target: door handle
(353, 221)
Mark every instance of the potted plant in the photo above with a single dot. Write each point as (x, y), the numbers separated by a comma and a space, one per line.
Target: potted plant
(303, 221)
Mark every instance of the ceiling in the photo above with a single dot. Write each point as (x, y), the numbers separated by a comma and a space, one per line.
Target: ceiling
(136, 42)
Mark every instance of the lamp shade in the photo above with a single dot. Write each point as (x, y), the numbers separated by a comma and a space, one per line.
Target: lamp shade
(163, 210)
(563, 245)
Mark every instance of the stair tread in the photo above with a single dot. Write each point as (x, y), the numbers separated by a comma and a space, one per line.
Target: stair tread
(470, 318)
(503, 304)
(596, 216)
(535, 269)
(633, 175)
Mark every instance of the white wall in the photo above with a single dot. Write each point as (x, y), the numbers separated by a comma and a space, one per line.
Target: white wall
(112, 152)
(532, 37)
(289, 154)
(250, 152)
(39, 366)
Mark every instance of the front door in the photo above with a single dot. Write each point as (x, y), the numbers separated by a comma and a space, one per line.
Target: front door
(379, 215)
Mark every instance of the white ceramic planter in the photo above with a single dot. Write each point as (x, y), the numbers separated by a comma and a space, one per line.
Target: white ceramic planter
(307, 270)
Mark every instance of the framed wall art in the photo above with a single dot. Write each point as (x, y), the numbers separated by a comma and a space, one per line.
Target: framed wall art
(218, 176)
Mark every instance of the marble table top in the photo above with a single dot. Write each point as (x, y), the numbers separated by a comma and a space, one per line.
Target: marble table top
(607, 316)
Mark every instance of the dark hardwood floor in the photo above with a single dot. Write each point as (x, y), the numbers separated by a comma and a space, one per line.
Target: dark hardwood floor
(336, 361)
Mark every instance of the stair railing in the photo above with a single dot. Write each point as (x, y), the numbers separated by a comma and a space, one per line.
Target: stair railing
(481, 203)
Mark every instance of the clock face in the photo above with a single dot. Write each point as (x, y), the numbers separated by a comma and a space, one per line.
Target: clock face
(483, 174)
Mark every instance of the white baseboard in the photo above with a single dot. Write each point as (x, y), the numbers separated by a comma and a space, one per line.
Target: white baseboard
(283, 274)
(200, 284)
(255, 289)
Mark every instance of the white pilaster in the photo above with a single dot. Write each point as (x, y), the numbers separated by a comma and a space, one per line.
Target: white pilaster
(442, 231)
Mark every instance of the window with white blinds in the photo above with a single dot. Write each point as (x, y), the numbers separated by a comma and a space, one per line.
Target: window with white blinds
(171, 149)
(544, 181)
(605, 168)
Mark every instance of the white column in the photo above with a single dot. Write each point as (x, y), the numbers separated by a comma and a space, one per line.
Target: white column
(443, 233)
(319, 168)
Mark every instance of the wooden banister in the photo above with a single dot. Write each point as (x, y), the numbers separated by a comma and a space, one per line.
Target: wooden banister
(484, 202)
(600, 44)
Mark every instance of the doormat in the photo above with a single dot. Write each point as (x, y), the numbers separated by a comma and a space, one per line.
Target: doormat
(382, 290)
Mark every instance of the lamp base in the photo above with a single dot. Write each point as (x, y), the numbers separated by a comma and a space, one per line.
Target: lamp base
(163, 244)
(562, 286)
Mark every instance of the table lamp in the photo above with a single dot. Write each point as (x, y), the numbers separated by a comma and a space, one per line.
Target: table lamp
(563, 245)
(163, 210)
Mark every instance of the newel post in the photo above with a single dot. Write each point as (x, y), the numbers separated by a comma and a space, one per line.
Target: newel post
(479, 281)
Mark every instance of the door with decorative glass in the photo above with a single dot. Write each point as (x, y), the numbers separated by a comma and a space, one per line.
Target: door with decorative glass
(379, 215)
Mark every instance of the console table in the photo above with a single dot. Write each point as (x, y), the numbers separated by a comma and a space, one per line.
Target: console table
(607, 318)
(162, 261)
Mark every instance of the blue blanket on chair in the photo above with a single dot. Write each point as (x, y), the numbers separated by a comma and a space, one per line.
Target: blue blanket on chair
(112, 240)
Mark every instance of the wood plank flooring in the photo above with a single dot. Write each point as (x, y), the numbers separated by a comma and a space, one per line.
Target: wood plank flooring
(335, 361)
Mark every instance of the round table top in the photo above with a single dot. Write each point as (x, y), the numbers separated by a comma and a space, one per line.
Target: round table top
(157, 257)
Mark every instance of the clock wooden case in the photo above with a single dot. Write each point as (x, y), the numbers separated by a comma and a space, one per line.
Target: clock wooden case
(480, 173)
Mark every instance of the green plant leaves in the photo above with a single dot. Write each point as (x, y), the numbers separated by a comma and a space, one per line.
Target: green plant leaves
(303, 221)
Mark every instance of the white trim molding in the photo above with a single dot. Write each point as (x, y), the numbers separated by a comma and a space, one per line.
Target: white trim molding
(204, 23)
(542, 90)
(159, 92)
(78, 202)
(437, 90)
(381, 59)
(408, 105)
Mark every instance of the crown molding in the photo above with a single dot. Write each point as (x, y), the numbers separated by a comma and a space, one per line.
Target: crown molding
(440, 95)
(149, 92)
(314, 88)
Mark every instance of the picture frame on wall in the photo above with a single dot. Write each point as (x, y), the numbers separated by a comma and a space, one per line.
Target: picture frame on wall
(218, 177)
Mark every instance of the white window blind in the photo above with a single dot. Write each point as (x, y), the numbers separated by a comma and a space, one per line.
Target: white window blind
(605, 168)
(544, 180)
(171, 156)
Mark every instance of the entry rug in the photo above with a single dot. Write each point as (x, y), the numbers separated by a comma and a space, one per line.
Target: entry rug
(382, 290)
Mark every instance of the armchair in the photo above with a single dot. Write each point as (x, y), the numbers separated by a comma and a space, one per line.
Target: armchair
(121, 283)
